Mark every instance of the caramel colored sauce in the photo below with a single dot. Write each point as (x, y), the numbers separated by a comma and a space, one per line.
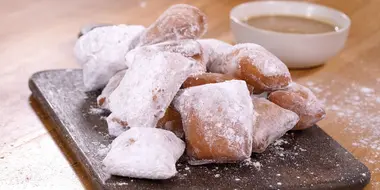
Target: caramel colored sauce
(290, 24)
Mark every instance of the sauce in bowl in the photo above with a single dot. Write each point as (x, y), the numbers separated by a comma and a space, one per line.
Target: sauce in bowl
(290, 24)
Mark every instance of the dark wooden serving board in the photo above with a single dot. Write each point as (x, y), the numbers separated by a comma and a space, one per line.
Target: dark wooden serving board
(308, 159)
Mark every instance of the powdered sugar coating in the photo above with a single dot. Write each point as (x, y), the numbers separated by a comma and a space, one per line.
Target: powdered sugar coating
(217, 120)
(272, 123)
(267, 63)
(148, 87)
(101, 52)
(257, 66)
(215, 50)
(140, 152)
(178, 22)
(302, 101)
(312, 104)
(112, 84)
(115, 126)
(188, 48)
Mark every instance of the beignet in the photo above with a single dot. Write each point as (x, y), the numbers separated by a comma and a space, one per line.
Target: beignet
(302, 101)
(178, 22)
(217, 120)
(272, 123)
(101, 52)
(148, 88)
(257, 66)
(141, 152)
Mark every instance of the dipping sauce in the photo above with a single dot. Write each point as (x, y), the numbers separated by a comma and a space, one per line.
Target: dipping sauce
(291, 24)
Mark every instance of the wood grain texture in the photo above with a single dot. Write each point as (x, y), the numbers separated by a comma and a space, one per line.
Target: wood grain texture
(39, 35)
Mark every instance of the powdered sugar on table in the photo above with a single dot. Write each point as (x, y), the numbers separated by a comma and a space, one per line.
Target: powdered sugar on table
(357, 107)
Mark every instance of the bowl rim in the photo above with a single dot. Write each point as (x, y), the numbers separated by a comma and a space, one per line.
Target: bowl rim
(339, 31)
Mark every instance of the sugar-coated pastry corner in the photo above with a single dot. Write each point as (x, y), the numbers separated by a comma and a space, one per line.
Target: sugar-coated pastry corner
(101, 52)
(302, 101)
(141, 152)
(272, 123)
(217, 121)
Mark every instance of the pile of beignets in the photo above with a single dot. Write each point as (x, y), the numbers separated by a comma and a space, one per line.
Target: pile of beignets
(163, 86)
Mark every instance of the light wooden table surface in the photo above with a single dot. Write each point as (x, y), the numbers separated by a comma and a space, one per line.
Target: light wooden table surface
(39, 35)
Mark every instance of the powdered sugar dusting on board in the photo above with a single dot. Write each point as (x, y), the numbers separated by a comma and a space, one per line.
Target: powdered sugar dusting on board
(357, 108)
(249, 162)
(103, 150)
(225, 112)
(95, 111)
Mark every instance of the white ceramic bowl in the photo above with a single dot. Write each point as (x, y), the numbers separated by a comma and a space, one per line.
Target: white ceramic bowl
(295, 50)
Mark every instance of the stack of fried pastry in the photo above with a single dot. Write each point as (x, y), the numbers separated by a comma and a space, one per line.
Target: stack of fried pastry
(170, 92)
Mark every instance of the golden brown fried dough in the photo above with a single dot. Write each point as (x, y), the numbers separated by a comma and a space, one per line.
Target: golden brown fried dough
(172, 121)
(176, 23)
(149, 86)
(272, 123)
(217, 120)
(188, 48)
(215, 50)
(302, 101)
(257, 66)
(207, 78)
